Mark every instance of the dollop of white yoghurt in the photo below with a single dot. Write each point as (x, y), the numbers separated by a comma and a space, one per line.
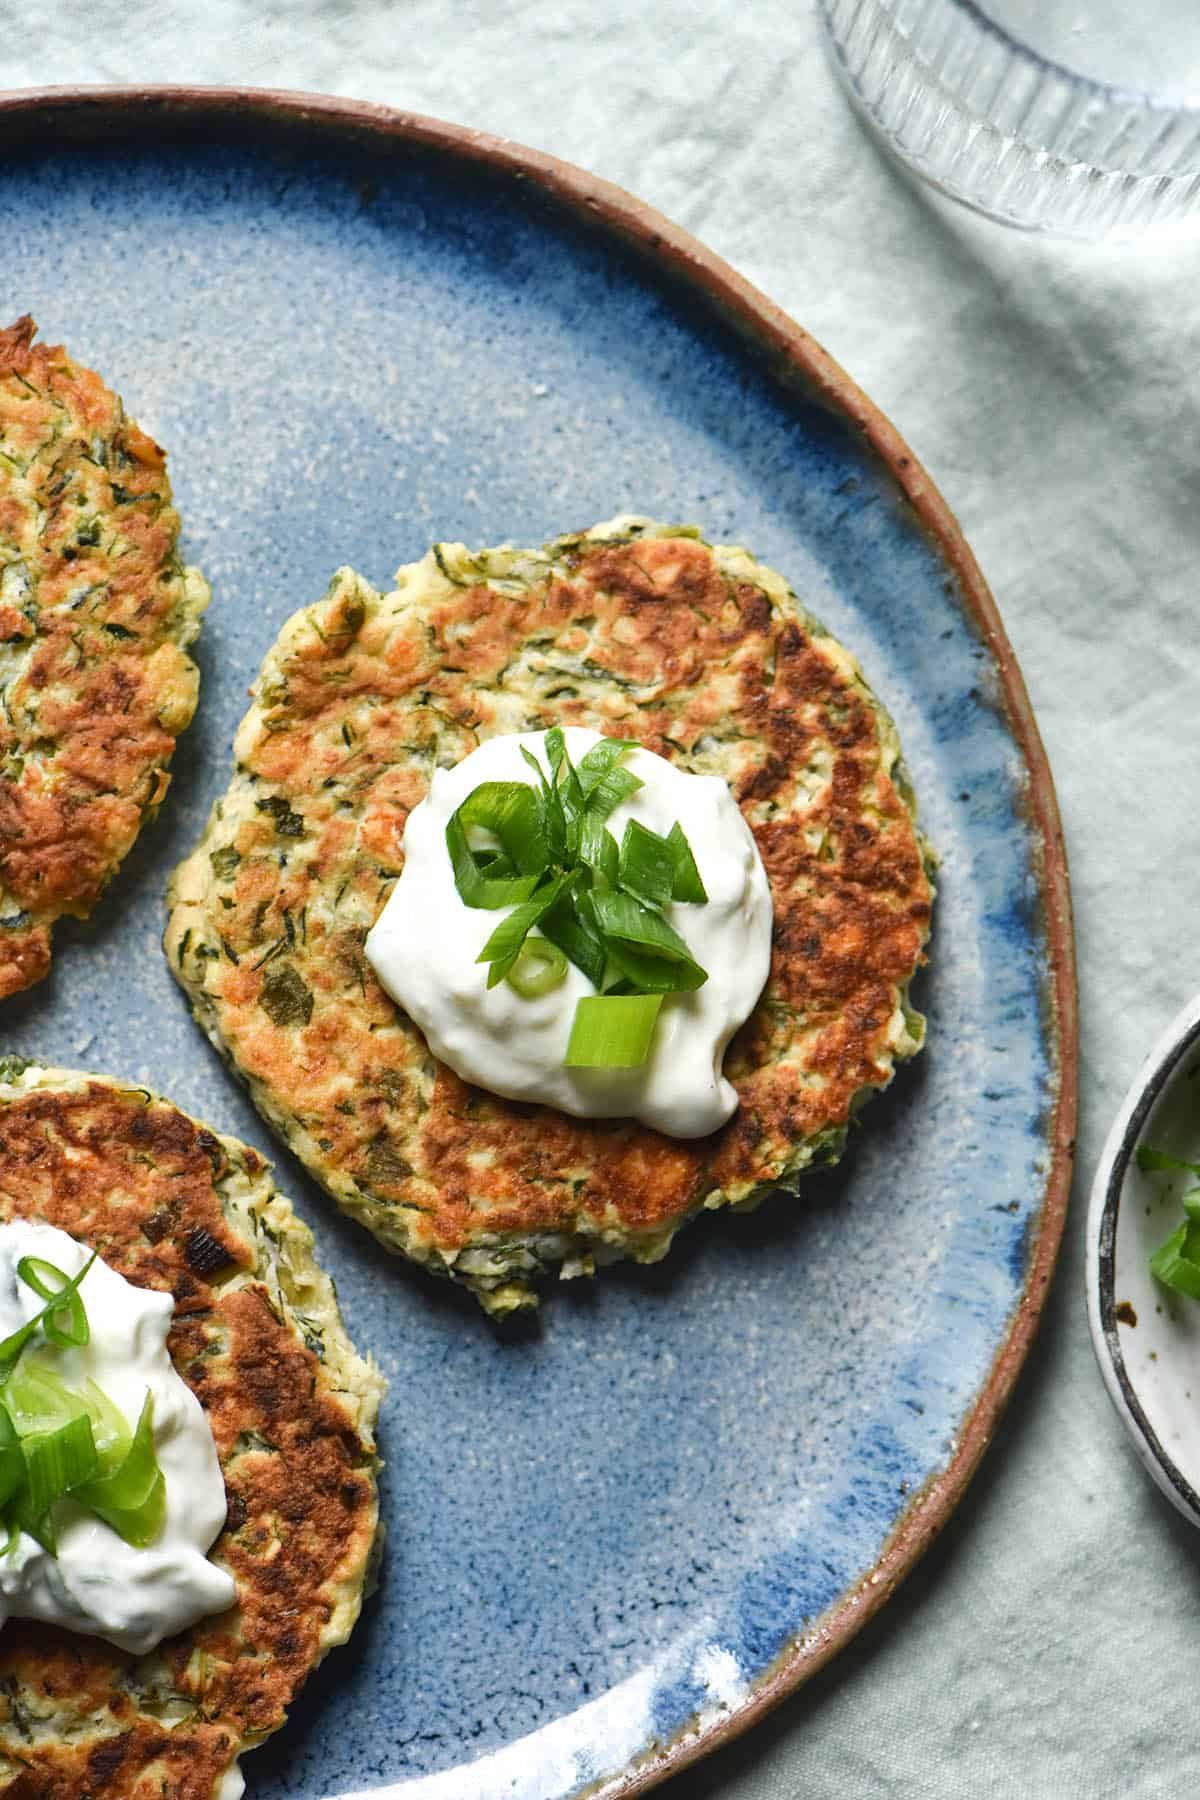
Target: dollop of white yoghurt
(424, 946)
(98, 1583)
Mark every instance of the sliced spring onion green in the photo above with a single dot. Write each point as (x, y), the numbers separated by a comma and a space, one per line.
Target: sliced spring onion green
(133, 1499)
(624, 918)
(11, 1347)
(509, 810)
(647, 865)
(554, 822)
(576, 937)
(607, 793)
(66, 1306)
(493, 862)
(644, 950)
(565, 782)
(646, 973)
(38, 1526)
(612, 1031)
(540, 967)
(110, 1429)
(1177, 1262)
(687, 884)
(504, 945)
(38, 1400)
(12, 1459)
(598, 851)
(57, 1462)
(474, 886)
(64, 1298)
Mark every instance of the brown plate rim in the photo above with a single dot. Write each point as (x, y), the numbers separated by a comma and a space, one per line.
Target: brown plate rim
(84, 114)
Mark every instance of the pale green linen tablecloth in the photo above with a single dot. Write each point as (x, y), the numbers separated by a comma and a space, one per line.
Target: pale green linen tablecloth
(1049, 1645)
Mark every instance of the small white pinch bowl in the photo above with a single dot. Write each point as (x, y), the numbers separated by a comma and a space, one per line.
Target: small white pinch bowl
(1146, 1336)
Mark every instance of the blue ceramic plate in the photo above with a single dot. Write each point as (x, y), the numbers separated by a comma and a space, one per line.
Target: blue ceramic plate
(619, 1537)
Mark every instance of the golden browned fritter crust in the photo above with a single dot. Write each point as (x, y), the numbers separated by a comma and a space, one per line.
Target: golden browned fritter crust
(95, 613)
(258, 1338)
(637, 630)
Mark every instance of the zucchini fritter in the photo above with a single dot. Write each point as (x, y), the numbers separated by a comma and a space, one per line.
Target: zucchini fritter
(634, 629)
(258, 1338)
(96, 612)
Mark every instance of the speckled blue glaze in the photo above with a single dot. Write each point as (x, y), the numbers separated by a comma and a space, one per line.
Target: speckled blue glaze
(615, 1520)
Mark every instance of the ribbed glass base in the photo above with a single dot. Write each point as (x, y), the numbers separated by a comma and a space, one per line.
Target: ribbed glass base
(994, 125)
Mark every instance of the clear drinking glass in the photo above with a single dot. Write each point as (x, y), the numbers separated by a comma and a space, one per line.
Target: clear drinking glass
(1076, 116)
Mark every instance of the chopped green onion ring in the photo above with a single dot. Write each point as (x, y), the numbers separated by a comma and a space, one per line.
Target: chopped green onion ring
(540, 967)
(65, 1297)
(33, 1271)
